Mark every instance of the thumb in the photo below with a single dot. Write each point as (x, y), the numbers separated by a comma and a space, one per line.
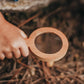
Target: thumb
(23, 34)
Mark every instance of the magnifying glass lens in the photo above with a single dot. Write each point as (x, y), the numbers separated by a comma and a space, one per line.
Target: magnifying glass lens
(48, 43)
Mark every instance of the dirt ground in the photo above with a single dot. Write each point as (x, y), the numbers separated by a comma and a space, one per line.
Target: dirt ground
(68, 17)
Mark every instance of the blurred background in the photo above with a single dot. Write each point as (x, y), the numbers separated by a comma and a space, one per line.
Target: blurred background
(64, 15)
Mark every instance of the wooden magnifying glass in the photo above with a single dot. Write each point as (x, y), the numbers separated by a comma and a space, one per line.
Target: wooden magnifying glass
(49, 58)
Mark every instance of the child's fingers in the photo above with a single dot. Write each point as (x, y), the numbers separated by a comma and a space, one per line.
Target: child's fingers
(9, 55)
(2, 56)
(16, 53)
(24, 49)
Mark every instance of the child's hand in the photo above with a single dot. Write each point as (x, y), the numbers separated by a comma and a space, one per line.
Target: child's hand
(12, 41)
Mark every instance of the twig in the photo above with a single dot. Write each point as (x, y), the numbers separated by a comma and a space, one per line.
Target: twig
(34, 82)
(23, 78)
(4, 81)
(29, 19)
(15, 74)
(24, 64)
(6, 75)
(48, 15)
(47, 73)
(53, 12)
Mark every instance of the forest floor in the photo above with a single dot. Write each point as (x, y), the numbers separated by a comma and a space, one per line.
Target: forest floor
(68, 17)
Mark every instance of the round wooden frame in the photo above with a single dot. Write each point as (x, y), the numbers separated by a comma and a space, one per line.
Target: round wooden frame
(44, 56)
